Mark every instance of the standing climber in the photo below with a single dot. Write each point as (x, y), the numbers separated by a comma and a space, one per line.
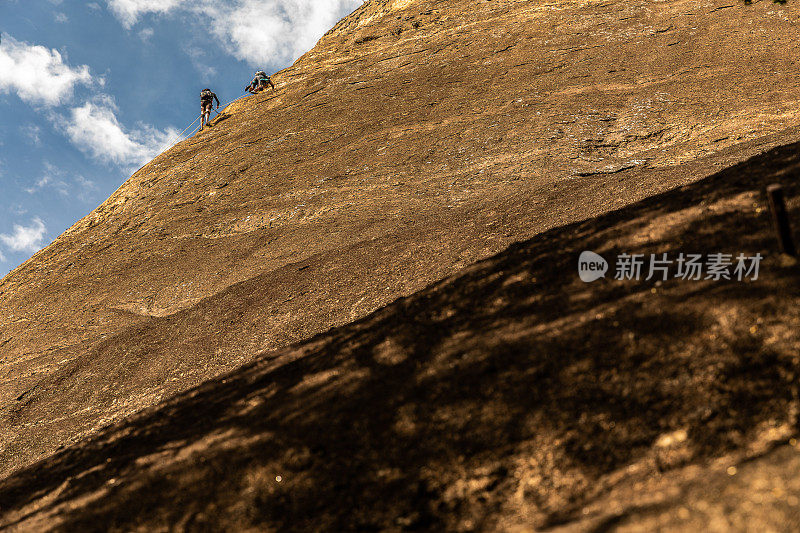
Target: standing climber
(259, 83)
(207, 98)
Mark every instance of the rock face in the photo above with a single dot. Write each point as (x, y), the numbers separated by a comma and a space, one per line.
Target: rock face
(508, 397)
(416, 138)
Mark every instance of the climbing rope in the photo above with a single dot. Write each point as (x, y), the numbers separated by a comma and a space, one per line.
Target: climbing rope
(193, 131)
(177, 137)
(180, 137)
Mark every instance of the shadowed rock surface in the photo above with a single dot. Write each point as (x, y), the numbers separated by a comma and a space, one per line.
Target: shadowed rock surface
(507, 397)
(415, 139)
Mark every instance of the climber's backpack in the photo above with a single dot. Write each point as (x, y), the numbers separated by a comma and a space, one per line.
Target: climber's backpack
(206, 94)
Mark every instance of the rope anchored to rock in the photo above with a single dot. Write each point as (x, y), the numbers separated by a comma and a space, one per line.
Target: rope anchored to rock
(179, 138)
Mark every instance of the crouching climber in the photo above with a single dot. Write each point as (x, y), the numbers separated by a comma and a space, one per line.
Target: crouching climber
(259, 83)
(207, 98)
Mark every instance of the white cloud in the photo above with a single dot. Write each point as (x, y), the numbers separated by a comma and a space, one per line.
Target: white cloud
(61, 17)
(95, 129)
(40, 184)
(37, 74)
(129, 11)
(198, 56)
(25, 238)
(57, 179)
(260, 32)
(268, 31)
(53, 177)
(86, 189)
(145, 34)
(33, 133)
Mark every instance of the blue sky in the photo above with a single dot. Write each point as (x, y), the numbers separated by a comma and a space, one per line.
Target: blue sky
(90, 91)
